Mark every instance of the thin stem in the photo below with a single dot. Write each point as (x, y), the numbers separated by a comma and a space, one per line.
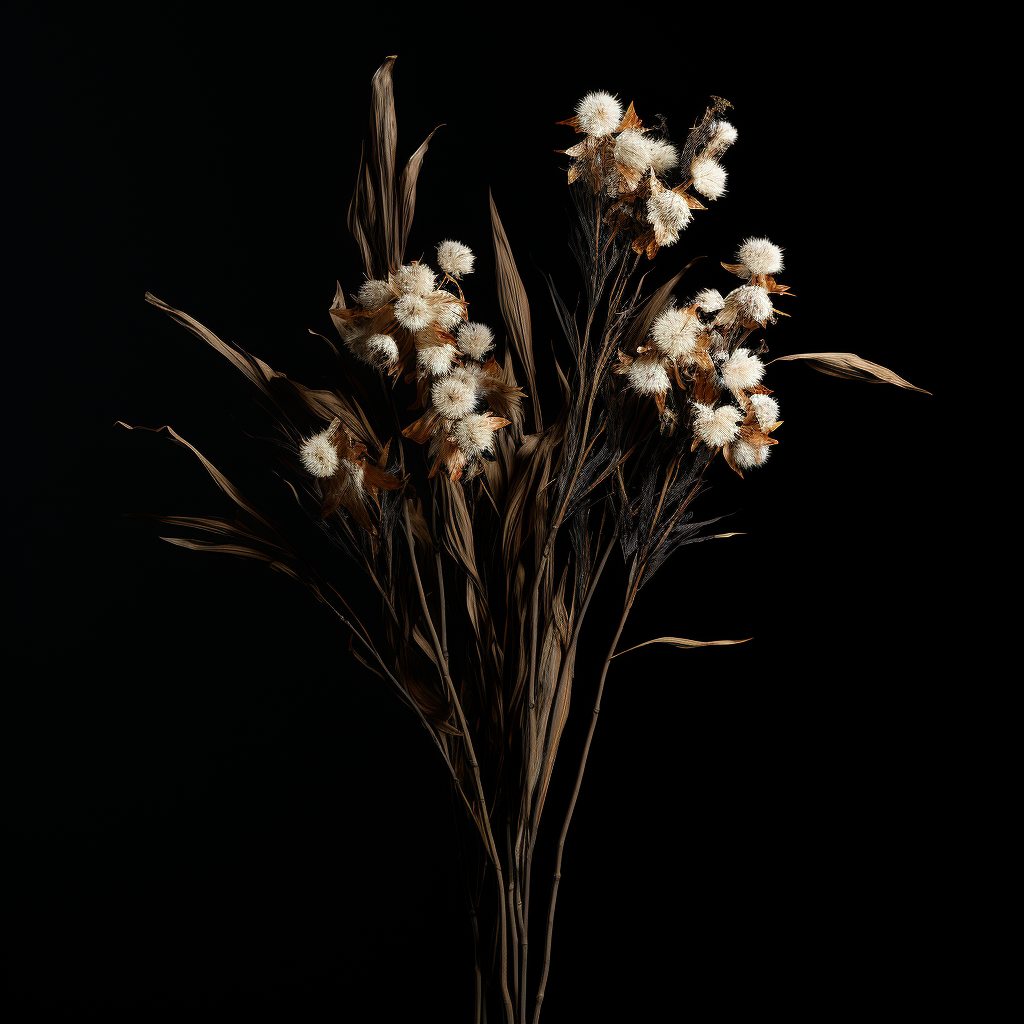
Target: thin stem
(474, 765)
(568, 816)
(440, 597)
(512, 914)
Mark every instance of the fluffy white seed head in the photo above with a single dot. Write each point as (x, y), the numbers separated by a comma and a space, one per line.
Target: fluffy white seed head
(319, 454)
(648, 377)
(374, 294)
(725, 135)
(748, 303)
(474, 433)
(454, 258)
(748, 456)
(709, 176)
(741, 370)
(669, 213)
(766, 409)
(709, 300)
(674, 334)
(475, 340)
(760, 257)
(716, 427)
(455, 395)
(414, 279)
(381, 349)
(414, 312)
(449, 312)
(632, 150)
(598, 113)
(663, 155)
(435, 359)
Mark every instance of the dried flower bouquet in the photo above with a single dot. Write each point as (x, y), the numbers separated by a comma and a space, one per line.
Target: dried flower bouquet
(479, 559)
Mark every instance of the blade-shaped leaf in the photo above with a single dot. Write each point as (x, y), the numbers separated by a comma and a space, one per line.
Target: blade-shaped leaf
(851, 366)
(678, 641)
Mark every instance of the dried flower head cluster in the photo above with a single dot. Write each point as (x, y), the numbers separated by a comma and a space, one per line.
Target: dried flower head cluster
(345, 476)
(644, 177)
(426, 325)
(699, 350)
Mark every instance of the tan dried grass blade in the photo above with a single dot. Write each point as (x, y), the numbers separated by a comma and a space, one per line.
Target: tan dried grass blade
(852, 367)
(515, 308)
(678, 641)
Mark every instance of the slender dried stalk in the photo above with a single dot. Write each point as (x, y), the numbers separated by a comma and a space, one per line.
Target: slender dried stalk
(467, 739)
(557, 877)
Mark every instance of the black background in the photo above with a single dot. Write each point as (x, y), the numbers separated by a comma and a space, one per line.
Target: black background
(237, 816)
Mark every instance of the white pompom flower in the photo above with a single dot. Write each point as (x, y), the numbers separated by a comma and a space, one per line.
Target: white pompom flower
(709, 300)
(382, 349)
(747, 455)
(455, 395)
(663, 155)
(709, 176)
(598, 113)
(319, 454)
(632, 150)
(760, 257)
(741, 371)
(674, 334)
(475, 340)
(414, 312)
(414, 279)
(374, 294)
(648, 377)
(436, 360)
(725, 135)
(475, 433)
(455, 259)
(766, 409)
(669, 213)
(449, 312)
(716, 427)
(749, 304)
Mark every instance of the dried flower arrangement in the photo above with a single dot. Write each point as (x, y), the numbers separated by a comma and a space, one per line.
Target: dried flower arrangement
(485, 556)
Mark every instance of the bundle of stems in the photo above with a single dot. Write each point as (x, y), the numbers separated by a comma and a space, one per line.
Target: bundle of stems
(479, 563)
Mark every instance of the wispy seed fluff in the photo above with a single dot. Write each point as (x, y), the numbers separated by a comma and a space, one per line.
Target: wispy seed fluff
(716, 427)
(374, 294)
(414, 279)
(598, 113)
(454, 258)
(709, 300)
(748, 456)
(648, 377)
(632, 150)
(766, 409)
(674, 334)
(669, 213)
(475, 340)
(455, 396)
(435, 359)
(319, 454)
(448, 311)
(414, 312)
(380, 348)
(748, 303)
(708, 176)
(725, 135)
(742, 370)
(474, 433)
(760, 257)
(663, 155)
